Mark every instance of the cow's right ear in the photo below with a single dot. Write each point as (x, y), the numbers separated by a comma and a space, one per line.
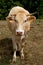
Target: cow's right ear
(9, 19)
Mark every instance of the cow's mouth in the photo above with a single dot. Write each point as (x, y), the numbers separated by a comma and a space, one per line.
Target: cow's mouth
(19, 32)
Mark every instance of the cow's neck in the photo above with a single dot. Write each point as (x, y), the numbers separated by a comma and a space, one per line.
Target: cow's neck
(20, 38)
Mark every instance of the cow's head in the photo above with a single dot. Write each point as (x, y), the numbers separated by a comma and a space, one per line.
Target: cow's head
(21, 22)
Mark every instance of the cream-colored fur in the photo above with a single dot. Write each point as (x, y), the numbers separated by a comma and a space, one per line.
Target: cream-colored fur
(17, 9)
(19, 23)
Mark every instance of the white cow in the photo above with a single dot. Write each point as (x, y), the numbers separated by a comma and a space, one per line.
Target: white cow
(19, 21)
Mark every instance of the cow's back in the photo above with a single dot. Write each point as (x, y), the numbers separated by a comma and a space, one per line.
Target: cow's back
(16, 9)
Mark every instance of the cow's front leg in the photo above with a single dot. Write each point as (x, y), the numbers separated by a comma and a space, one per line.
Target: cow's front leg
(14, 48)
(22, 47)
(14, 57)
(22, 53)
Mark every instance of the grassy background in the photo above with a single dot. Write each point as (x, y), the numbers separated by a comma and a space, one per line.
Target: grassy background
(33, 50)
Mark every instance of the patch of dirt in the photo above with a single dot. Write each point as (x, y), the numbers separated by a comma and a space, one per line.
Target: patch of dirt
(33, 50)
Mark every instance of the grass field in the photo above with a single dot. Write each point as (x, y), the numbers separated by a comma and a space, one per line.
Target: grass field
(33, 50)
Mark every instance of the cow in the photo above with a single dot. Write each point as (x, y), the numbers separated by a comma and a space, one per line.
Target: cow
(19, 21)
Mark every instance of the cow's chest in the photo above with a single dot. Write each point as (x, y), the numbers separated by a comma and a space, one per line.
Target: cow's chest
(20, 40)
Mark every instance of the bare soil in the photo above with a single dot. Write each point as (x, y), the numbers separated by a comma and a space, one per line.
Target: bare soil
(33, 50)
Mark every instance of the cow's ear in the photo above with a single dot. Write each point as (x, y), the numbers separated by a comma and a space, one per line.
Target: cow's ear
(31, 19)
(9, 19)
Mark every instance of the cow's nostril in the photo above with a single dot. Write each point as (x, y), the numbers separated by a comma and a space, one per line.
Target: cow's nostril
(19, 33)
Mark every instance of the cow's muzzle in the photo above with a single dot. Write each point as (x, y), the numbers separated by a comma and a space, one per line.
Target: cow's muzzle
(20, 32)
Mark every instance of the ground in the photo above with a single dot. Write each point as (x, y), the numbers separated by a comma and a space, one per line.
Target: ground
(33, 49)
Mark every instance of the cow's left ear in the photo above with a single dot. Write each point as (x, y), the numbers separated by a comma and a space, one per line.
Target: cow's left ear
(31, 19)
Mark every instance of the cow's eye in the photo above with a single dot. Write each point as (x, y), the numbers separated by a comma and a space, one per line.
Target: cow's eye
(15, 20)
(25, 21)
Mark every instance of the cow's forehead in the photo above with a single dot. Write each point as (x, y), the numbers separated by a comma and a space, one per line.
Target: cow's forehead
(21, 17)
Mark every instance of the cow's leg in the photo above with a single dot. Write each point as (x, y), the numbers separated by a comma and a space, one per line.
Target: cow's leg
(22, 54)
(14, 57)
(14, 48)
(22, 46)
(22, 51)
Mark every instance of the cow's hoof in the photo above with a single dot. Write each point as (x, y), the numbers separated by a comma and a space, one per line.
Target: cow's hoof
(14, 60)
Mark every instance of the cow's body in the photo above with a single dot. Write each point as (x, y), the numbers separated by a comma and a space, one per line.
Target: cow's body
(19, 24)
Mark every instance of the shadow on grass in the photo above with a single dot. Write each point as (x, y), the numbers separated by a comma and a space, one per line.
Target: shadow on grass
(6, 51)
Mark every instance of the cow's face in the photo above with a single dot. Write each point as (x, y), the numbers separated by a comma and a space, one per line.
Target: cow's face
(21, 23)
